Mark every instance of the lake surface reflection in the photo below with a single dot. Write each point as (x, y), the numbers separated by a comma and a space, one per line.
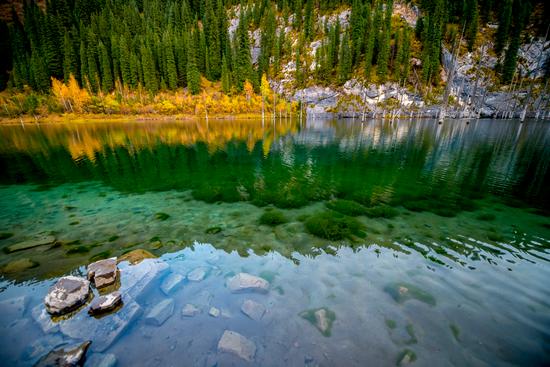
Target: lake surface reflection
(426, 242)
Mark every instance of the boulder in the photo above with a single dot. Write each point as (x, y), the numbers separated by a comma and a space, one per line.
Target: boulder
(65, 357)
(198, 274)
(244, 282)
(101, 360)
(103, 272)
(171, 282)
(67, 294)
(136, 256)
(160, 312)
(190, 310)
(105, 303)
(252, 309)
(234, 343)
(40, 240)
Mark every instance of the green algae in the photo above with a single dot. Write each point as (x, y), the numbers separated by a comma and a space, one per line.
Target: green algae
(334, 226)
(382, 211)
(402, 292)
(78, 250)
(391, 324)
(5, 235)
(406, 357)
(455, 331)
(113, 238)
(411, 333)
(347, 207)
(161, 216)
(273, 218)
(101, 255)
(486, 217)
(213, 230)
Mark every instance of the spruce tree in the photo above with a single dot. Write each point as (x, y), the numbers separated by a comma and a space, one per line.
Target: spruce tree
(308, 20)
(226, 76)
(171, 70)
(193, 73)
(70, 64)
(345, 60)
(504, 21)
(106, 74)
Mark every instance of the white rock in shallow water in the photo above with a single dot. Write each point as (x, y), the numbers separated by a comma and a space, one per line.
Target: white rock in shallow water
(161, 312)
(190, 310)
(66, 356)
(244, 282)
(103, 272)
(67, 294)
(171, 282)
(197, 274)
(105, 303)
(214, 312)
(234, 343)
(252, 309)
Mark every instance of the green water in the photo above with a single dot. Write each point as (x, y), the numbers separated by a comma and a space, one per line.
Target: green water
(457, 211)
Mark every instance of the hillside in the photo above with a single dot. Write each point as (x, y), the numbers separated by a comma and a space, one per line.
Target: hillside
(345, 58)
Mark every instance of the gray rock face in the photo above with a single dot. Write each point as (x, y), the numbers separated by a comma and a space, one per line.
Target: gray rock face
(197, 274)
(234, 343)
(244, 282)
(252, 309)
(65, 357)
(103, 272)
(101, 360)
(67, 294)
(31, 243)
(105, 303)
(190, 310)
(160, 312)
(103, 331)
(171, 282)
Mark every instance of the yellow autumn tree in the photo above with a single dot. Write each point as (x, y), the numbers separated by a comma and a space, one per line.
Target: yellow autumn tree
(71, 96)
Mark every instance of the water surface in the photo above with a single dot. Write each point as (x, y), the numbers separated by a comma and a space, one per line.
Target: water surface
(456, 213)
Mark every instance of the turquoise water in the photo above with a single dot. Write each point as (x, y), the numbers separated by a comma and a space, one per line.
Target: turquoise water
(341, 215)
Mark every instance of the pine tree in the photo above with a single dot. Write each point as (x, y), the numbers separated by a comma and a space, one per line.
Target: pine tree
(504, 21)
(193, 73)
(70, 65)
(243, 67)
(106, 74)
(171, 70)
(510, 59)
(471, 12)
(150, 77)
(308, 20)
(268, 29)
(226, 76)
(357, 30)
(345, 60)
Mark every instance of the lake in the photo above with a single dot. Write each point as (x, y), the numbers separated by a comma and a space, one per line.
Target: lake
(422, 243)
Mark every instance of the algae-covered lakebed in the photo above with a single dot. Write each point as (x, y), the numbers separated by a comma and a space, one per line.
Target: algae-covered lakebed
(367, 243)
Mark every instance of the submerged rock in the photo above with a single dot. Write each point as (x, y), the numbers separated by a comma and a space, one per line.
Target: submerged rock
(31, 243)
(406, 357)
(402, 292)
(65, 357)
(160, 312)
(67, 294)
(19, 265)
(102, 331)
(252, 309)
(44, 320)
(101, 360)
(136, 256)
(214, 312)
(171, 282)
(197, 274)
(321, 318)
(105, 303)
(103, 272)
(138, 280)
(244, 282)
(190, 310)
(14, 308)
(234, 343)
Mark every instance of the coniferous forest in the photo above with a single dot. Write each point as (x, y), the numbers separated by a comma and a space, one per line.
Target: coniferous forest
(157, 46)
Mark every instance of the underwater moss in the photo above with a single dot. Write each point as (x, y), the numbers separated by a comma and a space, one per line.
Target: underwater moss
(210, 194)
(324, 323)
(273, 218)
(412, 335)
(113, 238)
(5, 235)
(161, 216)
(100, 256)
(456, 331)
(486, 217)
(213, 230)
(402, 292)
(347, 207)
(74, 223)
(406, 357)
(417, 205)
(494, 236)
(334, 226)
(391, 324)
(78, 250)
(382, 211)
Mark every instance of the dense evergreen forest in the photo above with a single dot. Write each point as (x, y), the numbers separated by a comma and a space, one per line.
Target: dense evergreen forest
(165, 45)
